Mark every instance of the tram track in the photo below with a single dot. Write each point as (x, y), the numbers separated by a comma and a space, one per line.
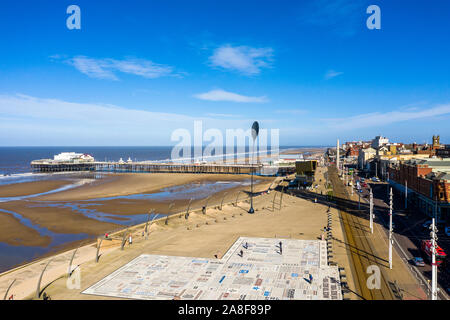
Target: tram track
(361, 251)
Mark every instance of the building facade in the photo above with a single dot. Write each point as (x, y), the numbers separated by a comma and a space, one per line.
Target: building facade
(364, 156)
(428, 185)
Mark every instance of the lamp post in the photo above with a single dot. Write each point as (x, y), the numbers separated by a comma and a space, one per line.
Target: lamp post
(406, 194)
(359, 199)
(376, 169)
(371, 211)
(433, 261)
(255, 132)
(433, 255)
(390, 229)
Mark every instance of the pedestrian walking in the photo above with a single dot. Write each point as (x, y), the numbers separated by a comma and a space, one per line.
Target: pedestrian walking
(241, 253)
(130, 239)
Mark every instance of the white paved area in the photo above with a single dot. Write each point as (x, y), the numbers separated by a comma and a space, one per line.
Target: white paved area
(261, 272)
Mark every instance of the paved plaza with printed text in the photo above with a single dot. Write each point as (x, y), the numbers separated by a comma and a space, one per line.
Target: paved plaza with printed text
(253, 268)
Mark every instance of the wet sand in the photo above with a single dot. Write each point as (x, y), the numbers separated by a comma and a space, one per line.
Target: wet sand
(51, 211)
(135, 183)
(58, 220)
(29, 188)
(13, 232)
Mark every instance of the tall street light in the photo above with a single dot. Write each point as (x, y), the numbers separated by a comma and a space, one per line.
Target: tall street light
(255, 132)
(371, 211)
(391, 240)
(433, 255)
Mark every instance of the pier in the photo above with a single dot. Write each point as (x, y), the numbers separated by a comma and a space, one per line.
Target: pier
(152, 167)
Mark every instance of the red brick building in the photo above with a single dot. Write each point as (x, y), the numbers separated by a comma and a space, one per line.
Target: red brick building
(353, 151)
(428, 183)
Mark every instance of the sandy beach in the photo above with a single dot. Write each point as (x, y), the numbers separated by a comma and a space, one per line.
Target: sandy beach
(28, 188)
(14, 233)
(134, 183)
(202, 235)
(83, 210)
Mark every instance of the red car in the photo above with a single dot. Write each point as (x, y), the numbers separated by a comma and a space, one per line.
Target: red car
(426, 249)
(364, 185)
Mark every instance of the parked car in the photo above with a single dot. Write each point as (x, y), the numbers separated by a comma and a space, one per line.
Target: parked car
(364, 185)
(418, 262)
(362, 179)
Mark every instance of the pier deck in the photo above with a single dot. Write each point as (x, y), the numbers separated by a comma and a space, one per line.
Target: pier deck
(141, 167)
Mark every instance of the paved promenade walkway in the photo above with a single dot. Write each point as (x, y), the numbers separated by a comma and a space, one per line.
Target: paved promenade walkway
(207, 235)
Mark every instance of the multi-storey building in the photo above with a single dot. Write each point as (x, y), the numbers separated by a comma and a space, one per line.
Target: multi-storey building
(428, 184)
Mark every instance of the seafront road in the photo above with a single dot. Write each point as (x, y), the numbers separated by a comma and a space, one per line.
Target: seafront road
(372, 249)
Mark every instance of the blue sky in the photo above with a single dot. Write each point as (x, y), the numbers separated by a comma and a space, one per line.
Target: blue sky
(138, 70)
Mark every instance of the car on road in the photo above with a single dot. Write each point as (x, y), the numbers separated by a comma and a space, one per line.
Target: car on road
(426, 249)
(418, 262)
(362, 179)
(364, 185)
(375, 179)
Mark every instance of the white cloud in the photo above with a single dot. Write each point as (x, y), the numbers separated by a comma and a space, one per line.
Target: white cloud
(291, 111)
(29, 120)
(94, 68)
(222, 95)
(331, 74)
(381, 119)
(243, 59)
(107, 68)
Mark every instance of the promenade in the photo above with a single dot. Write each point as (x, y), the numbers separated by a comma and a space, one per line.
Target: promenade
(208, 235)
